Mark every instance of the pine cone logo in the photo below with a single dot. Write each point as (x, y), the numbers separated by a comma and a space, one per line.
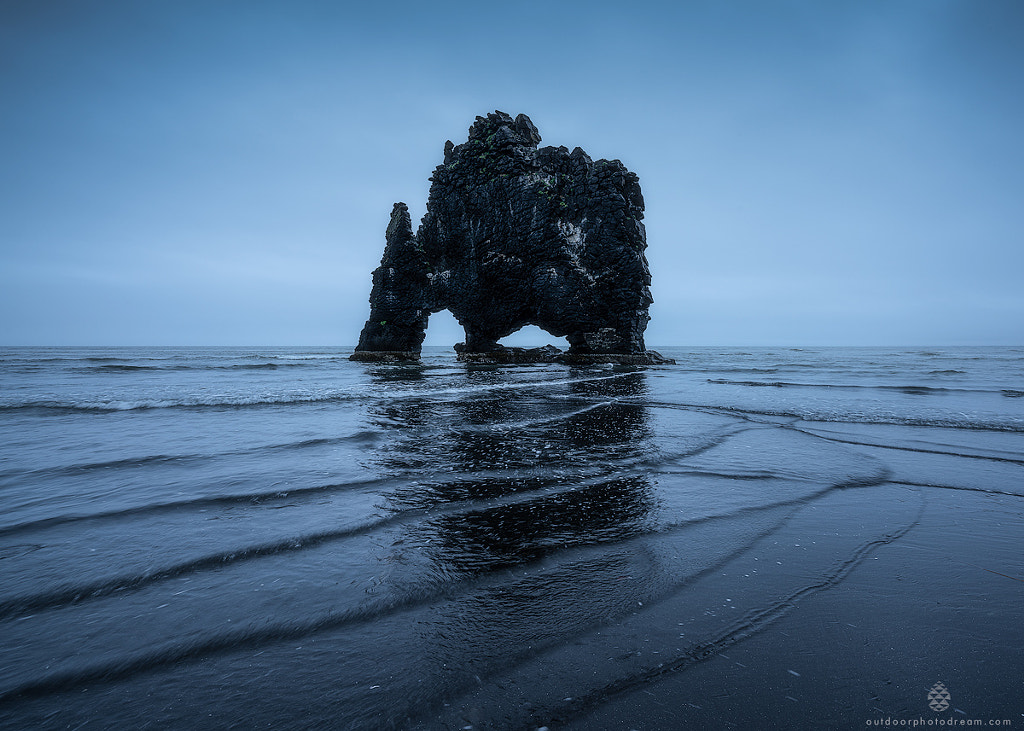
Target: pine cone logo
(938, 697)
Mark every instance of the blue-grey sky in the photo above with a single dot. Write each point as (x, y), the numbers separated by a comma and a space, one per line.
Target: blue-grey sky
(222, 171)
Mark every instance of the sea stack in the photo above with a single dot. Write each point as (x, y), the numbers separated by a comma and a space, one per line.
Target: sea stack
(517, 235)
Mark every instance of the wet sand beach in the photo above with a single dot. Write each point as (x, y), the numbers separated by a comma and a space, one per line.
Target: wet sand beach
(278, 537)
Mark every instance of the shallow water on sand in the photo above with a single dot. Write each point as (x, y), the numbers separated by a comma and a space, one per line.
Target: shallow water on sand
(279, 537)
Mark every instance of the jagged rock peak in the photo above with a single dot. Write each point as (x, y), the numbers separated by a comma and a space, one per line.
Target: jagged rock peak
(506, 130)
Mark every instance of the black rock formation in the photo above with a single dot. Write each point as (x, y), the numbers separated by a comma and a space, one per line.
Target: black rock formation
(515, 235)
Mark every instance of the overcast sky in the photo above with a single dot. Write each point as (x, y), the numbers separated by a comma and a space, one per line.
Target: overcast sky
(215, 172)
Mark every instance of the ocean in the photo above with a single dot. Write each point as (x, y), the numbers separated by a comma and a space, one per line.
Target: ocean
(277, 537)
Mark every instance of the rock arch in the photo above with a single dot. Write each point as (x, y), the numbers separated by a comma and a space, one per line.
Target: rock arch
(515, 235)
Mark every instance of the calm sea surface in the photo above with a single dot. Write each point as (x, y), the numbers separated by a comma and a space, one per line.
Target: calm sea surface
(281, 538)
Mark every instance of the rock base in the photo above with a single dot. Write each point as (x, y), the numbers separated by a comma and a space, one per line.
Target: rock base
(648, 357)
(384, 356)
(551, 354)
(506, 356)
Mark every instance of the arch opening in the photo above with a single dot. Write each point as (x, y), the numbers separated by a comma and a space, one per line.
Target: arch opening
(443, 331)
(531, 336)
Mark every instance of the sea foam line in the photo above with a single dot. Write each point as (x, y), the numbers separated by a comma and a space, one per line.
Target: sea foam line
(248, 498)
(115, 405)
(910, 389)
(186, 459)
(1014, 426)
(922, 450)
